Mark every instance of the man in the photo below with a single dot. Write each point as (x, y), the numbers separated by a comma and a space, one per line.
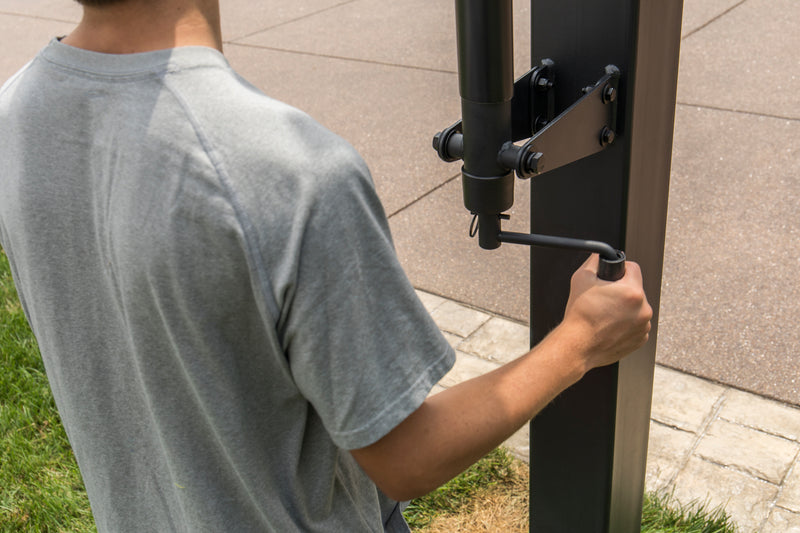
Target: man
(230, 340)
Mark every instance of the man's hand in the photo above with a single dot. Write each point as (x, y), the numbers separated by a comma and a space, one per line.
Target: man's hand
(608, 319)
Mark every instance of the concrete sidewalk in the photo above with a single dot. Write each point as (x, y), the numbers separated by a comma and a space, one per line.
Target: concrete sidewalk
(708, 442)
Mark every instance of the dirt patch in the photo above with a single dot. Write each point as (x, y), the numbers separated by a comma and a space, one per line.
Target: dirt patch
(502, 507)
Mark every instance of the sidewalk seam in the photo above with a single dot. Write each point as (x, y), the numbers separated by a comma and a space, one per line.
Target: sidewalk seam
(713, 20)
(37, 17)
(285, 22)
(341, 58)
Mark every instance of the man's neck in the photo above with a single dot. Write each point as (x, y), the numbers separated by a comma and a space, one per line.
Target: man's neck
(133, 26)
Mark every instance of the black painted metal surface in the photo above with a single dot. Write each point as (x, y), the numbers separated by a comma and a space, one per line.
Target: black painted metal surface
(589, 446)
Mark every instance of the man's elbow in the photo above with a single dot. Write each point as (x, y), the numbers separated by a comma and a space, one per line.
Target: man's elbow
(397, 481)
(408, 490)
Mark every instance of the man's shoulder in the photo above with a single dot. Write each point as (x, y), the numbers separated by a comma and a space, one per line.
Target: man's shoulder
(253, 132)
(228, 102)
(9, 88)
(6, 85)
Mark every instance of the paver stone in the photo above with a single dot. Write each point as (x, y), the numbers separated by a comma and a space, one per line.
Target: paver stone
(766, 415)
(666, 453)
(467, 367)
(790, 495)
(744, 498)
(430, 301)
(499, 340)
(758, 454)
(782, 521)
(458, 319)
(682, 401)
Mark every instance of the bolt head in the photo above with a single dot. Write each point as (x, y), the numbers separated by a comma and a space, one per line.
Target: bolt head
(607, 136)
(544, 83)
(436, 140)
(534, 164)
(609, 94)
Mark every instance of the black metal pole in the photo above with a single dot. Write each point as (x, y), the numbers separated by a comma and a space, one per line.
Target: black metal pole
(589, 446)
(486, 84)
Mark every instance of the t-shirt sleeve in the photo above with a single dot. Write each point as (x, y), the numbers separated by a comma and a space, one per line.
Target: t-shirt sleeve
(361, 346)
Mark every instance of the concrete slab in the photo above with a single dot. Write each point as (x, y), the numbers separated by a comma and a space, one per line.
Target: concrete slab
(416, 33)
(730, 284)
(467, 367)
(756, 412)
(458, 319)
(430, 301)
(244, 17)
(745, 60)
(433, 243)
(684, 402)
(56, 10)
(746, 499)
(498, 340)
(519, 443)
(782, 521)
(384, 111)
(790, 495)
(21, 37)
(453, 339)
(750, 451)
(698, 13)
(667, 452)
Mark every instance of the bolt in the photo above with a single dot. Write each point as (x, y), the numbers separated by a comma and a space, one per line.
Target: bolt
(544, 83)
(436, 140)
(534, 163)
(609, 94)
(607, 136)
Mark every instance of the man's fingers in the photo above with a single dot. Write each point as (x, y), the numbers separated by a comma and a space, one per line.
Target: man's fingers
(633, 272)
(592, 263)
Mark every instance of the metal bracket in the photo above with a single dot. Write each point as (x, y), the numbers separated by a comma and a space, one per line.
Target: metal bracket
(533, 104)
(583, 129)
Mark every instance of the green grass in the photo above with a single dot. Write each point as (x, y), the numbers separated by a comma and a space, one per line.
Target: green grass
(660, 514)
(41, 489)
(456, 495)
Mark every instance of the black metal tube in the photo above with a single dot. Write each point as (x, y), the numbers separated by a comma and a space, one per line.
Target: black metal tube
(485, 50)
(489, 231)
(612, 270)
(486, 72)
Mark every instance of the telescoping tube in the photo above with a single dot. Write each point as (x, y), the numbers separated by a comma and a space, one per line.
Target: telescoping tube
(486, 84)
(484, 31)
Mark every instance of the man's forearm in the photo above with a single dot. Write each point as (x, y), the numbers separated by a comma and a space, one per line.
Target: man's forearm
(603, 322)
(456, 427)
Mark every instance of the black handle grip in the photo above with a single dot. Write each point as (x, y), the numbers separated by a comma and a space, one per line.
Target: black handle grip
(612, 269)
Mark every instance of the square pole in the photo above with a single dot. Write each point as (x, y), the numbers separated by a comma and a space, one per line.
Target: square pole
(589, 446)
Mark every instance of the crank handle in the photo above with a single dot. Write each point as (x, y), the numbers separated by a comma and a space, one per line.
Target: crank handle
(612, 269)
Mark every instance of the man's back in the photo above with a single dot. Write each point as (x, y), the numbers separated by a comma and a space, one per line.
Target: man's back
(198, 262)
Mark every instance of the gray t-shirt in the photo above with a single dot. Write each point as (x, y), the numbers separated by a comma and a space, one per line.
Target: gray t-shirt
(215, 293)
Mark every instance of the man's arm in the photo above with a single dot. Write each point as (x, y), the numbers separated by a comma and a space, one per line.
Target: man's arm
(603, 322)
